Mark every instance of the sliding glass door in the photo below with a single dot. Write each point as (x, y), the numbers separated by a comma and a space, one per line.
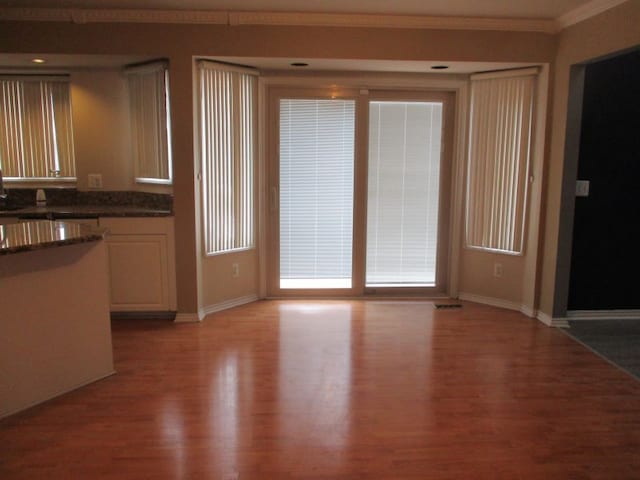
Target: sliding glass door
(403, 193)
(316, 164)
(358, 192)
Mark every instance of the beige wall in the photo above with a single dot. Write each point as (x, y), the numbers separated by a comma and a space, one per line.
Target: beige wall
(180, 43)
(101, 128)
(611, 31)
(218, 282)
(477, 275)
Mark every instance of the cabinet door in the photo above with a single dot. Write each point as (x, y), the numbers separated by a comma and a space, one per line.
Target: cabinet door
(138, 272)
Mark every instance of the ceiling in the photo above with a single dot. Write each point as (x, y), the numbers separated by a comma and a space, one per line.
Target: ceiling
(539, 9)
(545, 10)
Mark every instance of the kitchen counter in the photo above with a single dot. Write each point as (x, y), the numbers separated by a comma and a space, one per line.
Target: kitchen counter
(84, 211)
(55, 331)
(36, 235)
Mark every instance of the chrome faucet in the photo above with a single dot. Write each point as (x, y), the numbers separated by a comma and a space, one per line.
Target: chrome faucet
(3, 194)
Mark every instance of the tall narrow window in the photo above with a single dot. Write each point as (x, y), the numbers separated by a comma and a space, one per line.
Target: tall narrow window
(316, 192)
(150, 124)
(227, 126)
(36, 133)
(403, 193)
(499, 150)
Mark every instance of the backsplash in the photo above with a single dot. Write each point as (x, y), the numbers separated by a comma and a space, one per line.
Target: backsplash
(26, 197)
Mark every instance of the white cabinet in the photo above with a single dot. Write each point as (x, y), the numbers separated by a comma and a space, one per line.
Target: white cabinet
(141, 255)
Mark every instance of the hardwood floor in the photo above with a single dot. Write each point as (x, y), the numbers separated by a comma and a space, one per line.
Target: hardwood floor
(338, 390)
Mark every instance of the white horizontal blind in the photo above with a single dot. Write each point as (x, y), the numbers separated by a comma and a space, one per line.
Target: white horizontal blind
(499, 150)
(316, 192)
(150, 123)
(36, 132)
(227, 120)
(403, 193)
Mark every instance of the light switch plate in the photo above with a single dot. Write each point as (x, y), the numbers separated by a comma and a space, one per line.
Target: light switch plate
(582, 188)
(95, 180)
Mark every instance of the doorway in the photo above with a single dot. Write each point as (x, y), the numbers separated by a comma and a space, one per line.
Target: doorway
(605, 257)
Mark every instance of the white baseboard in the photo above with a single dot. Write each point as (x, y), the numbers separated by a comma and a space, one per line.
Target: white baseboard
(187, 318)
(528, 311)
(560, 322)
(235, 302)
(603, 315)
(498, 302)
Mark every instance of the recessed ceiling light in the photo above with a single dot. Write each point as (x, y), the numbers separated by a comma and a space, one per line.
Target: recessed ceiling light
(38, 60)
(439, 67)
(299, 64)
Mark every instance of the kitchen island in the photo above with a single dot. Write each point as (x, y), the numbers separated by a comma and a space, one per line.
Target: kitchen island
(55, 332)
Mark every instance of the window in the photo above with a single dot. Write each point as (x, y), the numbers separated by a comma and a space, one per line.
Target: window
(403, 193)
(317, 139)
(150, 124)
(227, 126)
(499, 150)
(36, 134)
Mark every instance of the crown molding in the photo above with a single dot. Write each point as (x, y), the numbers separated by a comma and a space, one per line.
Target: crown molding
(391, 21)
(84, 15)
(78, 15)
(586, 11)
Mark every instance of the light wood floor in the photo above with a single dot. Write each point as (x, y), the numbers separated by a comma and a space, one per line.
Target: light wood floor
(338, 390)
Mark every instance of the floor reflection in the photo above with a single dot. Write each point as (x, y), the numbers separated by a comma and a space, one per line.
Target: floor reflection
(314, 396)
(337, 390)
(172, 424)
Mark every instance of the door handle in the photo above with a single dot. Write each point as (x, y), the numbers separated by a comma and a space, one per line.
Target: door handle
(273, 200)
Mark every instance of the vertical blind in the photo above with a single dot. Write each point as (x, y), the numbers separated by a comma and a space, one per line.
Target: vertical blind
(403, 193)
(316, 192)
(150, 125)
(36, 133)
(499, 150)
(227, 120)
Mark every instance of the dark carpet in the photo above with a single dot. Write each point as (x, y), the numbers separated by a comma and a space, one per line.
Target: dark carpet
(618, 341)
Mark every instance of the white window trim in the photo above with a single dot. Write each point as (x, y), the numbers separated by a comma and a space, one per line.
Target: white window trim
(457, 84)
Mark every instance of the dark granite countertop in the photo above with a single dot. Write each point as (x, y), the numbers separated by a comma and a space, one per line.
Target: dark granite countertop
(40, 234)
(84, 211)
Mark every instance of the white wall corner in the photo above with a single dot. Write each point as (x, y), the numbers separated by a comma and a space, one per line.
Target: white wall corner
(187, 318)
(235, 302)
(528, 311)
(559, 322)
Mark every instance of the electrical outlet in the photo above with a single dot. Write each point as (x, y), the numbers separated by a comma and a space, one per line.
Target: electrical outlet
(236, 270)
(95, 180)
(497, 270)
